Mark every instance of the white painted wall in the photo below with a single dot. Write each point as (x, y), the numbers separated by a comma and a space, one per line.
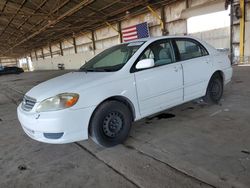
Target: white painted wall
(70, 61)
(218, 38)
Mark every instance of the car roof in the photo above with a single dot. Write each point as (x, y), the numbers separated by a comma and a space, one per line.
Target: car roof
(210, 48)
(151, 39)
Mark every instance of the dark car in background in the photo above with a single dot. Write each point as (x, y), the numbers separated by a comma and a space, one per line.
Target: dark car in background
(10, 70)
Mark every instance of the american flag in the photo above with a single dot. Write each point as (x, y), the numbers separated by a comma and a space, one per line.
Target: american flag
(135, 32)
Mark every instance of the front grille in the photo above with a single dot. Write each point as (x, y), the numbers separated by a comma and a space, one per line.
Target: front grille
(28, 103)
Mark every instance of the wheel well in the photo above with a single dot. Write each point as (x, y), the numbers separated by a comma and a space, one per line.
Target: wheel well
(121, 99)
(220, 74)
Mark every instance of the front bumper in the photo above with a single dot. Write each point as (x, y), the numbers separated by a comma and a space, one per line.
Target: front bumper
(57, 127)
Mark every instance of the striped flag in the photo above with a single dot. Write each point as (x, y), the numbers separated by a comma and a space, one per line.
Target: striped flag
(135, 32)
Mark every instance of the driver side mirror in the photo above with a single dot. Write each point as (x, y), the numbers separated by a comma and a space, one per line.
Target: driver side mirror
(145, 64)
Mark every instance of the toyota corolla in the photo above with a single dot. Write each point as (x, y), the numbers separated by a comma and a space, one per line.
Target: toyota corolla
(121, 85)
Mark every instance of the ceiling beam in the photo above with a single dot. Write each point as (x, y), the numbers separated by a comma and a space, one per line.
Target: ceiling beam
(63, 16)
(42, 20)
(14, 6)
(4, 5)
(19, 8)
(27, 18)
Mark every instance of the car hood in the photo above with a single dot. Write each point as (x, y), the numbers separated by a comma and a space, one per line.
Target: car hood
(68, 83)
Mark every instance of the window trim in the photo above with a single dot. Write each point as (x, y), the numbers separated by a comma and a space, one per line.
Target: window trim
(177, 52)
(133, 69)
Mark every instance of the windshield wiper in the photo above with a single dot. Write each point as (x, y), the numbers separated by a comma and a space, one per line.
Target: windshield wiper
(95, 70)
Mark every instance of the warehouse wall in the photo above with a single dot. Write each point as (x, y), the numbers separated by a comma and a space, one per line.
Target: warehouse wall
(247, 32)
(219, 38)
(107, 36)
(236, 35)
(104, 38)
(7, 61)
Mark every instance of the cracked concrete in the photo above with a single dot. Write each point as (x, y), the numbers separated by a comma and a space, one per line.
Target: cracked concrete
(200, 147)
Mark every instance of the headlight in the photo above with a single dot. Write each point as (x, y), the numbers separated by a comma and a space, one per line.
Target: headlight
(58, 102)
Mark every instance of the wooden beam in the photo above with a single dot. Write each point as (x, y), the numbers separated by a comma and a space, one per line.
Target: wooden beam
(13, 5)
(110, 17)
(42, 20)
(27, 18)
(96, 22)
(4, 5)
(42, 53)
(50, 50)
(120, 31)
(36, 55)
(19, 8)
(164, 30)
(187, 3)
(52, 23)
(93, 40)
(60, 43)
(74, 44)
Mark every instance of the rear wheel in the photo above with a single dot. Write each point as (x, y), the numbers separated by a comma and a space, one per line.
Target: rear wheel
(110, 124)
(214, 89)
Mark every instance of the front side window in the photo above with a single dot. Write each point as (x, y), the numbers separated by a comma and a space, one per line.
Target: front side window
(112, 59)
(160, 51)
(189, 49)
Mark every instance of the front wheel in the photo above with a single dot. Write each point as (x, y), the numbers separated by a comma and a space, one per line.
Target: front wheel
(110, 124)
(214, 90)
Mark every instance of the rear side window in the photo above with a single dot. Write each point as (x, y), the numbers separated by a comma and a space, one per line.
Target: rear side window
(189, 49)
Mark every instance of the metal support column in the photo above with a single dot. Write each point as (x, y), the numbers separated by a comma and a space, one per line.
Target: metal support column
(231, 31)
(242, 30)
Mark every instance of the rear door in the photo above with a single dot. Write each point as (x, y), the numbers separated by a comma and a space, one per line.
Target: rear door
(161, 86)
(196, 66)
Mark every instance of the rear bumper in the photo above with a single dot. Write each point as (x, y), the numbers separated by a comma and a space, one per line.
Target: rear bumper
(228, 73)
(56, 127)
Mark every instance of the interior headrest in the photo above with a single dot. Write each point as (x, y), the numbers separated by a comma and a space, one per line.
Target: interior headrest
(164, 53)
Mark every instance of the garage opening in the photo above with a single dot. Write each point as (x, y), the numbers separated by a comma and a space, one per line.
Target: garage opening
(214, 28)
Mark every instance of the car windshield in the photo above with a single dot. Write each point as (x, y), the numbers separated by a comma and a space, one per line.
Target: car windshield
(112, 59)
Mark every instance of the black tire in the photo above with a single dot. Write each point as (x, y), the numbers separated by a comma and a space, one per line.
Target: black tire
(110, 124)
(214, 90)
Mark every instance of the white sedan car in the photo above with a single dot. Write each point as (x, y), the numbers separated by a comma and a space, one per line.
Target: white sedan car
(123, 84)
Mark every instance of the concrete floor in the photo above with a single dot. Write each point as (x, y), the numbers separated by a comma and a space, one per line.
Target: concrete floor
(202, 146)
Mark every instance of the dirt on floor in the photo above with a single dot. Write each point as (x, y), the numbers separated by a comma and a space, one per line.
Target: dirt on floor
(192, 145)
